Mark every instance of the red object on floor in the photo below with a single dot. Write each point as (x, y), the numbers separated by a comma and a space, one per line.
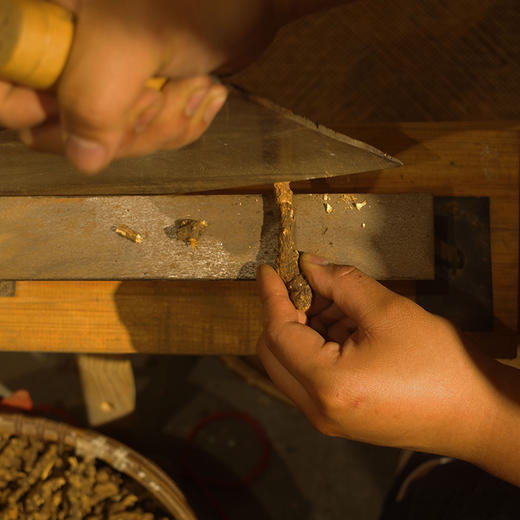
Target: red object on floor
(19, 400)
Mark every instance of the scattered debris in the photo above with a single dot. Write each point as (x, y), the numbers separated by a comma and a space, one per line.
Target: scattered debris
(189, 231)
(128, 233)
(360, 205)
(326, 205)
(46, 481)
(287, 262)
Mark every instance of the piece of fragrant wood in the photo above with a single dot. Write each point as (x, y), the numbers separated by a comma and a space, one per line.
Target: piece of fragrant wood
(287, 261)
(190, 230)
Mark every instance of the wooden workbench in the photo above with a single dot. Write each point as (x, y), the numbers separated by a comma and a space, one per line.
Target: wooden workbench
(459, 159)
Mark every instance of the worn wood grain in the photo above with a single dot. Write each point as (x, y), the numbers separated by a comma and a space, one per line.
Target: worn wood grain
(74, 238)
(121, 317)
(373, 61)
(224, 317)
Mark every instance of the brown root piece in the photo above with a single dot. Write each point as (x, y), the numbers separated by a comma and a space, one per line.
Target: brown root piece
(190, 230)
(287, 262)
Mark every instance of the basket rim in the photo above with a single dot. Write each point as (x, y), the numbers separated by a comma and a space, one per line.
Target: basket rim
(91, 444)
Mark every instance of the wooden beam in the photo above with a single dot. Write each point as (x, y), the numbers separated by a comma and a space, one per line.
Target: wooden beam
(470, 159)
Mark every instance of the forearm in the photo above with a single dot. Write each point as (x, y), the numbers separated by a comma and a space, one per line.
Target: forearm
(483, 427)
(500, 453)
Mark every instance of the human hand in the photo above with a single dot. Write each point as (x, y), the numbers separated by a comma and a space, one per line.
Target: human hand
(102, 110)
(370, 365)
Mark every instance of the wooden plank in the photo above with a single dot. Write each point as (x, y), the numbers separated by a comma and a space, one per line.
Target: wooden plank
(251, 141)
(224, 317)
(108, 387)
(121, 317)
(74, 238)
(419, 61)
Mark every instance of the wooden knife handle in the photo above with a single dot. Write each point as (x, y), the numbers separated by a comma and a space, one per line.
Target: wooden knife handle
(35, 41)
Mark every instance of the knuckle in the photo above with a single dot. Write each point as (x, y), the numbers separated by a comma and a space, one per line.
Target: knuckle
(331, 400)
(274, 334)
(343, 271)
(344, 274)
(336, 400)
(176, 135)
(89, 113)
(192, 132)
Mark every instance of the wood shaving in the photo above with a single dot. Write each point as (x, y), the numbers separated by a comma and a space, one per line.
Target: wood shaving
(350, 200)
(361, 205)
(128, 233)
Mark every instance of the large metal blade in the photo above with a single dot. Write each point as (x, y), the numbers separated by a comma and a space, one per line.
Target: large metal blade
(251, 142)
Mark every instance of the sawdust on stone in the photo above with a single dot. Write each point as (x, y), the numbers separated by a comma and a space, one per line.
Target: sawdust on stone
(43, 481)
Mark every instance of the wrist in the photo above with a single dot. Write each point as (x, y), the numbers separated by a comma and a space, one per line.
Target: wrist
(499, 448)
(455, 419)
(483, 425)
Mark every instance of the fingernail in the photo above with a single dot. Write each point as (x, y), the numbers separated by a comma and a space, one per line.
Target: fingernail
(195, 100)
(26, 136)
(313, 259)
(214, 107)
(87, 155)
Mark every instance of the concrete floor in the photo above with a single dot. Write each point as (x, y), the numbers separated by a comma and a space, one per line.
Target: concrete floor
(308, 476)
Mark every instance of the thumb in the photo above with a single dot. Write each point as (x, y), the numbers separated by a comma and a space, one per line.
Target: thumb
(103, 80)
(358, 295)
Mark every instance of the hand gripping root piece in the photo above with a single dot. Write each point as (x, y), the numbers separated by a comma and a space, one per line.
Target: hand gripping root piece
(287, 262)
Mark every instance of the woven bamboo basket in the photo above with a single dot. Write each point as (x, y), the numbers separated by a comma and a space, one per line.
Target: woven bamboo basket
(92, 445)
